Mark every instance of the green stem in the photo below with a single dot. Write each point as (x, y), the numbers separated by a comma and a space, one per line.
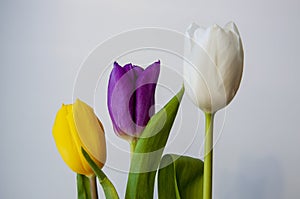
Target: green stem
(93, 187)
(83, 187)
(208, 156)
(132, 147)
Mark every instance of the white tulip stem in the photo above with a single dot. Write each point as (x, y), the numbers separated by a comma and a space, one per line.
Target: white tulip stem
(208, 158)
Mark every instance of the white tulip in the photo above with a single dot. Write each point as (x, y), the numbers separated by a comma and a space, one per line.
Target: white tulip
(214, 66)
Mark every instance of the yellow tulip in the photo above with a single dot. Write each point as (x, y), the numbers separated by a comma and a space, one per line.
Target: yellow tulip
(76, 126)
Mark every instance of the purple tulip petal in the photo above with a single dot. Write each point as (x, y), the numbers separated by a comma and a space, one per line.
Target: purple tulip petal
(146, 85)
(120, 89)
(131, 97)
(133, 72)
(115, 75)
(128, 67)
(138, 70)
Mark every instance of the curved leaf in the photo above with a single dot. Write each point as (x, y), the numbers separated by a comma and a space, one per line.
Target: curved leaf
(108, 188)
(180, 177)
(149, 149)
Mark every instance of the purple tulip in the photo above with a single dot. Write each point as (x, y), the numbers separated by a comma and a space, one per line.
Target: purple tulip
(131, 98)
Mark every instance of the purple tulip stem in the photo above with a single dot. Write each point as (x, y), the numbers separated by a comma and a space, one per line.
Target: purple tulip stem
(132, 146)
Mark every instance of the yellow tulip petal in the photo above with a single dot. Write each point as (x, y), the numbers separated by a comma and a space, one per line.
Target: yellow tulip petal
(75, 127)
(89, 131)
(64, 141)
(86, 170)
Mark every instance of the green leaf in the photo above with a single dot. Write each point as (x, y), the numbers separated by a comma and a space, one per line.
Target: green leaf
(108, 188)
(83, 187)
(149, 149)
(180, 177)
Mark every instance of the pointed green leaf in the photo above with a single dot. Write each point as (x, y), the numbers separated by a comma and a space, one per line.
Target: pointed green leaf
(108, 188)
(149, 149)
(83, 187)
(180, 177)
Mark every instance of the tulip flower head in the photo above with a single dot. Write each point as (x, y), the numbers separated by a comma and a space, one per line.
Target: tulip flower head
(213, 74)
(131, 98)
(76, 126)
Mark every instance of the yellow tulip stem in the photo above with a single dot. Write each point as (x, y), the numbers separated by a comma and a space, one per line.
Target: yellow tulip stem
(93, 186)
(208, 156)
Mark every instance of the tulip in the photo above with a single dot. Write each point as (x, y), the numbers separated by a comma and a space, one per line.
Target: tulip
(76, 126)
(131, 98)
(213, 74)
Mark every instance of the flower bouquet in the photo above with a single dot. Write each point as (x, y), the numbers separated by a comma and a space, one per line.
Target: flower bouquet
(211, 77)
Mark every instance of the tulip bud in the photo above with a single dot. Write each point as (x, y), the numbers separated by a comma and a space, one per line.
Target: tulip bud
(76, 126)
(213, 74)
(131, 98)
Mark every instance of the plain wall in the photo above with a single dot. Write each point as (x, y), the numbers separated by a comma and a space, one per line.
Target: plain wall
(43, 44)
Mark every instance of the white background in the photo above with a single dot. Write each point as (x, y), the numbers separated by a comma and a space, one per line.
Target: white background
(43, 44)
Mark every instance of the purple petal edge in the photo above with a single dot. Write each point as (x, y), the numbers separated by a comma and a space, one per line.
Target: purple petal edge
(145, 95)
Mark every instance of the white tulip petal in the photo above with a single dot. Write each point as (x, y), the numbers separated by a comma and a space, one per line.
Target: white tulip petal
(215, 57)
(191, 30)
(232, 27)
